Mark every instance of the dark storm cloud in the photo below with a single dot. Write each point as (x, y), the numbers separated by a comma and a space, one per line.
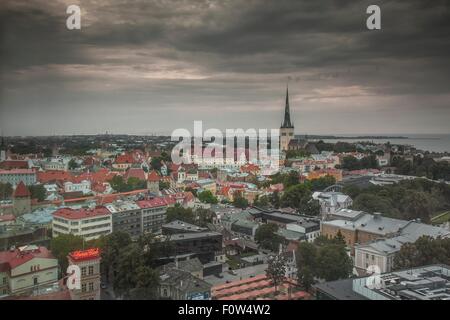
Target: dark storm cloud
(161, 64)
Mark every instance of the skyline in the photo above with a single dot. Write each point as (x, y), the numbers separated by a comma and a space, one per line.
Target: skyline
(149, 67)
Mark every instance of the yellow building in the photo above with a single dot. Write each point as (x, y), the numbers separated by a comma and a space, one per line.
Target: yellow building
(26, 269)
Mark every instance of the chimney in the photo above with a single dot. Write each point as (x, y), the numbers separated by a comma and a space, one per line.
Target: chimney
(376, 216)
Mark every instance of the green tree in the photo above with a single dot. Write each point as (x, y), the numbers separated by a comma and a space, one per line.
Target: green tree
(305, 278)
(163, 185)
(276, 270)
(267, 237)
(306, 255)
(156, 163)
(72, 165)
(239, 201)
(373, 203)
(6, 190)
(147, 282)
(333, 263)
(299, 197)
(322, 183)
(177, 212)
(111, 249)
(207, 197)
(204, 216)
(275, 199)
(418, 204)
(38, 192)
(62, 245)
(291, 179)
(424, 251)
(262, 202)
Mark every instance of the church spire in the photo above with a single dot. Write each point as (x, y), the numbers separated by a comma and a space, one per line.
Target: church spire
(287, 115)
(2, 143)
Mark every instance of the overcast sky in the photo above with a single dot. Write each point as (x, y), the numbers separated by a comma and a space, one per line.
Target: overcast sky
(150, 66)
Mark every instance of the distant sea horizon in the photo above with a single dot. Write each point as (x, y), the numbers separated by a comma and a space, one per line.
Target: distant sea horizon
(426, 142)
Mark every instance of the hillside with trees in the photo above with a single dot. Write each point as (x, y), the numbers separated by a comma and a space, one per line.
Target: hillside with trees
(418, 198)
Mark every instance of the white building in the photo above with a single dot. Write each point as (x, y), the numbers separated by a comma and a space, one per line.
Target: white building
(88, 223)
(56, 164)
(381, 252)
(330, 202)
(310, 229)
(84, 186)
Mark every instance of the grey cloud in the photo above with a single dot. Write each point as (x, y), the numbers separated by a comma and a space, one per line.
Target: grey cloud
(163, 58)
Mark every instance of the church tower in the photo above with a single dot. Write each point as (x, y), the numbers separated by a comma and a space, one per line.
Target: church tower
(2, 150)
(287, 127)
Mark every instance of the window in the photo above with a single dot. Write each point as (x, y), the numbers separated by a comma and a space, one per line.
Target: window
(91, 286)
(91, 270)
(35, 281)
(83, 271)
(83, 287)
(4, 280)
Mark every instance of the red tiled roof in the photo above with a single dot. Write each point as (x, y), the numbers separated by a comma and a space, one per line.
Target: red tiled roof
(52, 176)
(7, 217)
(204, 175)
(14, 164)
(153, 176)
(102, 175)
(174, 167)
(74, 214)
(17, 171)
(10, 260)
(21, 191)
(186, 197)
(125, 158)
(250, 168)
(98, 187)
(138, 173)
(152, 203)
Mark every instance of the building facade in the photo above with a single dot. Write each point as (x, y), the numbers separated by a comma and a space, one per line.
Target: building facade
(89, 263)
(26, 269)
(87, 223)
(13, 177)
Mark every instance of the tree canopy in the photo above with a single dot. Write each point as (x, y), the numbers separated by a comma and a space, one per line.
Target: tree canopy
(408, 199)
(267, 237)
